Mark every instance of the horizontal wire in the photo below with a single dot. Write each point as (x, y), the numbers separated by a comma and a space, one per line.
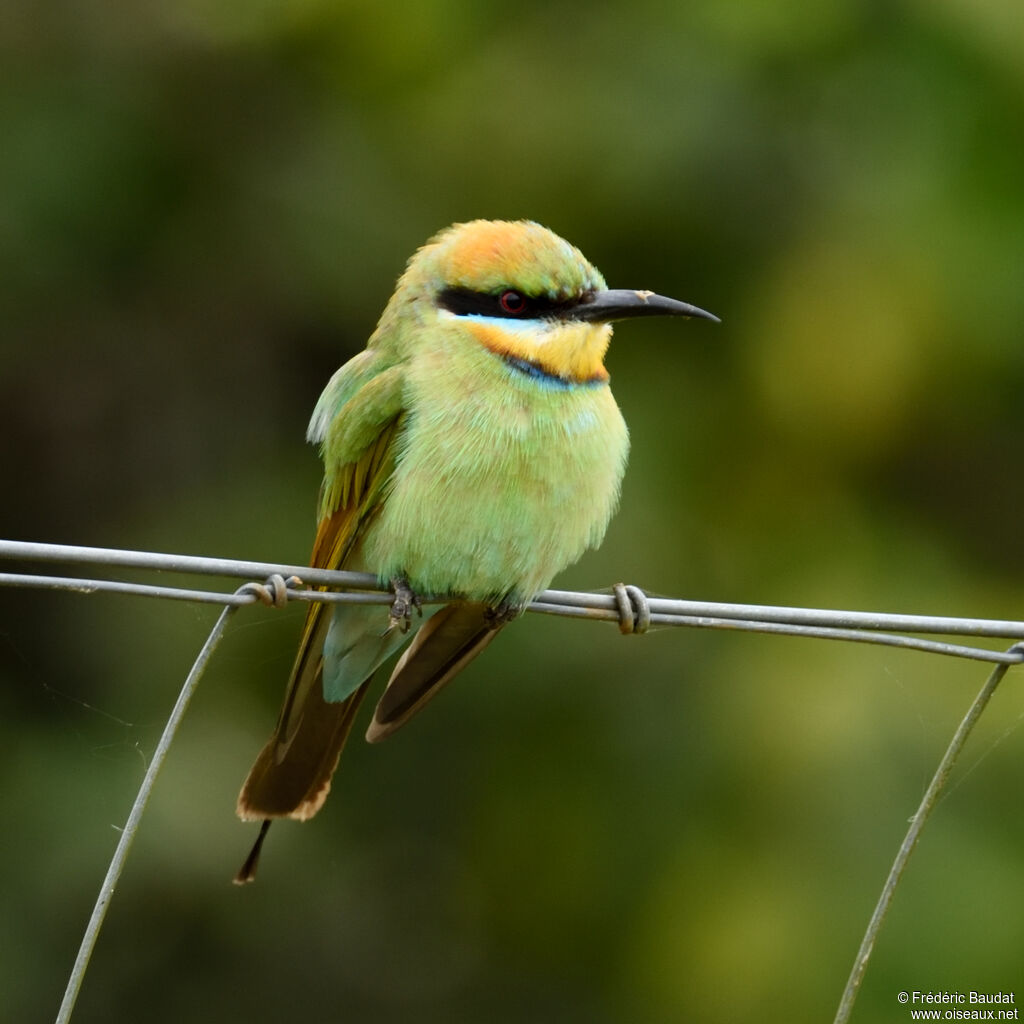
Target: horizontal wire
(364, 588)
(788, 629)
(31, 551)
(947, 625)
(91, 586)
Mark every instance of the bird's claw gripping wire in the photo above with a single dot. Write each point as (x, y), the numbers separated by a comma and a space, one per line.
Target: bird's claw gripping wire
(406, 599)
(504, 612)
(634, 611)
(274, 591)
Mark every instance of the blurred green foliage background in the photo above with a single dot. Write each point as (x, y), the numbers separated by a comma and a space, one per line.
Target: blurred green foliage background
(203, 207)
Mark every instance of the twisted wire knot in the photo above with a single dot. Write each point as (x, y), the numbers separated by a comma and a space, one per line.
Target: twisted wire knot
(273, 592)
(634, 611)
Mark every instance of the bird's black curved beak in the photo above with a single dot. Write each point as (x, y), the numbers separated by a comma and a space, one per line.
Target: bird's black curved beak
(625, 304)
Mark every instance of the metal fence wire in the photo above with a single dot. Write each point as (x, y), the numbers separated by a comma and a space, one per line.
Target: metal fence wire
(630, 607)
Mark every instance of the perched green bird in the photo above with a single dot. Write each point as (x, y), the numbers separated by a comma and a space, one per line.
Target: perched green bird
(473, 449)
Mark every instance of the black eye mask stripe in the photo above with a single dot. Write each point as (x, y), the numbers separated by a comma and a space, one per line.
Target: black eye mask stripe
(464, 302)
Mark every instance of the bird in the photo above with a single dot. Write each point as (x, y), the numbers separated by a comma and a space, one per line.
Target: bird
(472, 451)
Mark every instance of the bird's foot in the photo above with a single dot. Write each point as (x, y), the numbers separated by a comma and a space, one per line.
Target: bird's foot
(504, 612)
(406, 599)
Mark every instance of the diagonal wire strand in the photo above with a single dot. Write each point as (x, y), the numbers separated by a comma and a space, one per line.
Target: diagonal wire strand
(117, 862)
(917, 823)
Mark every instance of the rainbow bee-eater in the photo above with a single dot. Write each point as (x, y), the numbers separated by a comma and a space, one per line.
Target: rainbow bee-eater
(472, 450)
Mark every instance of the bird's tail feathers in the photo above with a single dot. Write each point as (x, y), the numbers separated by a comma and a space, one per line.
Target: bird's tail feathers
(444, 645)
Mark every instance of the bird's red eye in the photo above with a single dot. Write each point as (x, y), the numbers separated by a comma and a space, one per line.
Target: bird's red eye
(512, 302)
